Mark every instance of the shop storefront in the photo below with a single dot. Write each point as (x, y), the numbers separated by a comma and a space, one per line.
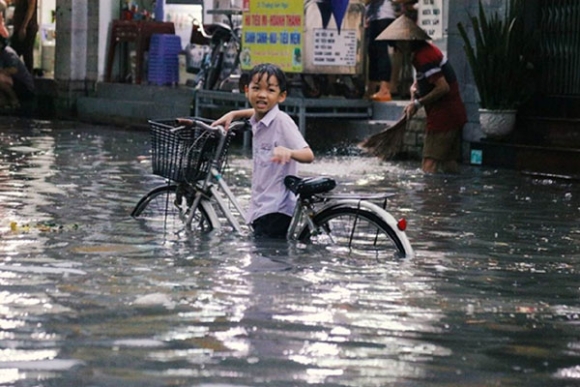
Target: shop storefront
(82, 36)
(129, 33)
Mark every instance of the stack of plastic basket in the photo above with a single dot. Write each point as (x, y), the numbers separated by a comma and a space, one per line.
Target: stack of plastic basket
(163, 59)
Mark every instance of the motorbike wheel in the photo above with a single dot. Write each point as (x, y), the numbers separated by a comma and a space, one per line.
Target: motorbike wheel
(215, 68)
(313, 86)
(353, 87)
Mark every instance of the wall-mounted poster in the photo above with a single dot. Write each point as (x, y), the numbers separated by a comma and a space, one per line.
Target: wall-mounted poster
(310, 36)
(273, 33)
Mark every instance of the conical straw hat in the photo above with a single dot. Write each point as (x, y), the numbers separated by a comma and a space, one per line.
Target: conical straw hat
(403, 28)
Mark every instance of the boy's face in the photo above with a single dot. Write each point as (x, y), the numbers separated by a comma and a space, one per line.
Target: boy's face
(264, 93)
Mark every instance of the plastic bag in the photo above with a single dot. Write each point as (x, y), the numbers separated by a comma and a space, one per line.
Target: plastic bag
(194, 56)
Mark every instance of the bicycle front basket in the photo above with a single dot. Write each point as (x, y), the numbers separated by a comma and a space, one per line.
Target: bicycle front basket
(169, 144)
(198, 158)
(184, 154)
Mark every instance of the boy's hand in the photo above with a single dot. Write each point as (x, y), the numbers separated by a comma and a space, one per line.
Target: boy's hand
(281, 155)
(225, 120)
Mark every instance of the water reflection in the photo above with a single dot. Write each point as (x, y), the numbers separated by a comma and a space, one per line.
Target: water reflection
(89, 296)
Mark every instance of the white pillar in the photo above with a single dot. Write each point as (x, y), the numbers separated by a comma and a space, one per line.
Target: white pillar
(77, 40)
(77, 50)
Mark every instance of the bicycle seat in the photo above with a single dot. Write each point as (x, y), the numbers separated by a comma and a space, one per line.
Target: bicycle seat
(217, 30)
(310, 185)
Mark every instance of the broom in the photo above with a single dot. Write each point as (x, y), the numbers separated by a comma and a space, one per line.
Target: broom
(388, 142)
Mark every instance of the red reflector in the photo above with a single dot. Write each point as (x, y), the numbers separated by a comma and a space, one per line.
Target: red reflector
(402, 224)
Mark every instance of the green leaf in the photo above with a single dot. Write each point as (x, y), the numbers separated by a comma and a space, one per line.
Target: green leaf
(500, 56)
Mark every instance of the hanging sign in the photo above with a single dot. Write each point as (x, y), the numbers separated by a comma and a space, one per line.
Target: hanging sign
(333, 48)
(430, 18)
(273, 33)
(334, 32)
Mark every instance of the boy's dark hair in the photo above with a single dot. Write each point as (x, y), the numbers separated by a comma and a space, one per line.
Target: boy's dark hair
(270, 69)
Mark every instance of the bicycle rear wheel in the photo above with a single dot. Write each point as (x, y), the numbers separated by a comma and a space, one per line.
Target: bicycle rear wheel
(215, 68)
(355, 231)
(167, 204)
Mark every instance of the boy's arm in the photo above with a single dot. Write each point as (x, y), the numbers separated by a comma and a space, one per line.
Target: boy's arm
(233, 115)
(224, 120)
(282, 155)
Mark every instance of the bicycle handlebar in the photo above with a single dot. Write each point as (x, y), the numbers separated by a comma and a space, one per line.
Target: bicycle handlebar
(240, 126)
(234, 125)
(205, 126)
(206, 123)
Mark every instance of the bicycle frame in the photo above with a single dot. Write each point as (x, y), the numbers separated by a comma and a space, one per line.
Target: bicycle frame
(303, 213)
(209, 190)
(221, 36)
(345, 220)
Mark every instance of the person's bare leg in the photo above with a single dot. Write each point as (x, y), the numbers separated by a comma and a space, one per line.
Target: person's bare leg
(429, 165)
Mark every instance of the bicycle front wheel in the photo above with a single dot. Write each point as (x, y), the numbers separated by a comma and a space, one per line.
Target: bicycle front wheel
(158, 202)
(168, 205)
(355, 231)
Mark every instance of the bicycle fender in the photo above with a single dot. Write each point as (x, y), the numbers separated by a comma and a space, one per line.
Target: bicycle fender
(379, 211)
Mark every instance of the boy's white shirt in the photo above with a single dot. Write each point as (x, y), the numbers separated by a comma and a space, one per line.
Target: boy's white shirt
(269, 195)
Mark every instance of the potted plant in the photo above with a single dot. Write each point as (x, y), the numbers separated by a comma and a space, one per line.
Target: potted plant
(500, 62)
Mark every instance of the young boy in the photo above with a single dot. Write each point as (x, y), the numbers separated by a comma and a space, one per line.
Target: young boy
(277, 148)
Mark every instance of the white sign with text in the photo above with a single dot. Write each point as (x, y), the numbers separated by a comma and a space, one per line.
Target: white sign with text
(431, 17)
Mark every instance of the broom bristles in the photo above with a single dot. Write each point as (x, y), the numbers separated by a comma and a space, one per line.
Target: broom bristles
(388, 142)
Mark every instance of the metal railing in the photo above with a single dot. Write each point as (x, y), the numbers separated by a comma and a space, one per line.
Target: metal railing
(559, 24)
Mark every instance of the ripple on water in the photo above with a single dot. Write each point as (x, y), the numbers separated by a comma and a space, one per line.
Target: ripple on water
(489, 299)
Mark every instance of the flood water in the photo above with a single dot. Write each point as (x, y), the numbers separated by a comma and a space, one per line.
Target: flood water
(91, 297)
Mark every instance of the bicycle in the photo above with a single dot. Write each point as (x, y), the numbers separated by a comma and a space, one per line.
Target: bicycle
(217, 47)
(191, 160)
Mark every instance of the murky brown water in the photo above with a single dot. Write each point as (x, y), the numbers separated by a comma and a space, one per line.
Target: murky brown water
(92, 297)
